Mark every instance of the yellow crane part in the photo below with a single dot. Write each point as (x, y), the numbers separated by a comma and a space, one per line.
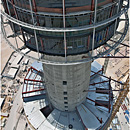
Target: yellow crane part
(119, 100)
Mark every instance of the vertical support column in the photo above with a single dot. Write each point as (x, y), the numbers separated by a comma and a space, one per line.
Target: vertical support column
(23, 35)
(92, 8)
(109, 17)
(95, 15)
(117, 13)
(35, 10)
(18, 18)
(5, 5)
(63, 1)
(2, 26)
(109, 94)
(105, 65)
(12, 23)
(35, 35)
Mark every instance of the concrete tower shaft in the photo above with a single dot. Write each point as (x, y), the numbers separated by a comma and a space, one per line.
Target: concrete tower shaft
(65, 84)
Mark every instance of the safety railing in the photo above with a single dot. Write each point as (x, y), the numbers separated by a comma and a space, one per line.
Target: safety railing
(100, 52)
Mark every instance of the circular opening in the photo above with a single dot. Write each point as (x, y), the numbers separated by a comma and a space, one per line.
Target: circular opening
(70, 126)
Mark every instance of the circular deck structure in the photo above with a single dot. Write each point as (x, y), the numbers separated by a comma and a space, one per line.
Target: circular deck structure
(68, 29)
(93, 113)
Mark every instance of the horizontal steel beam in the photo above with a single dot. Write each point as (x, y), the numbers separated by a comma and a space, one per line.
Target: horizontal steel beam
(87, 27)
(96, 72)
(98, 83)
(32, 91)
(120, 43)
(34, 69)
(107, 77)
(34, 95)
(115, 57)
(33, 80)
(96, 102)
(107, 90)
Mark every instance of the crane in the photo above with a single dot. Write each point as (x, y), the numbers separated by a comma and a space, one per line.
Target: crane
(119, 101)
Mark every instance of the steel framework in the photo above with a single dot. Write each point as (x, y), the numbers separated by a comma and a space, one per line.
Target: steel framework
(100, 50)
(31, 81)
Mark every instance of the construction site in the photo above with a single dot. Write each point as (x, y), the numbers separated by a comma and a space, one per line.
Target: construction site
(65, 65)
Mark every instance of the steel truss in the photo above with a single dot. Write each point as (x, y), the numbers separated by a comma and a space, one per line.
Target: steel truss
(32, 81)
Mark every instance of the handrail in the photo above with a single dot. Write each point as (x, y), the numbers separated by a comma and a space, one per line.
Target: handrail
(71, 62)
(60, 14)
(102, 53)
(73, 29)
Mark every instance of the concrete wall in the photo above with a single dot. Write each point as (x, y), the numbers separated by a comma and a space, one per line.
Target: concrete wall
(65, 84)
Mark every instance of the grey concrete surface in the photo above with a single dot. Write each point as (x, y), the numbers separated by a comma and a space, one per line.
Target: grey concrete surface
(65, 84)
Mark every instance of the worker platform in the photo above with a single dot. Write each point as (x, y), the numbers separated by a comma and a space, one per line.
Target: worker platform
(93, 114)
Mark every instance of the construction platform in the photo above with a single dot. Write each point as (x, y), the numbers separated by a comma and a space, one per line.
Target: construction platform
(92, 114)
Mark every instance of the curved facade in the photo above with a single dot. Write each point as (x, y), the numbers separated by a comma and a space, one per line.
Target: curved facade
(76, 15)
(66, 85)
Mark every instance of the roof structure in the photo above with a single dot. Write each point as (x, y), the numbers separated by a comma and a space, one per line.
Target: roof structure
(12, 72)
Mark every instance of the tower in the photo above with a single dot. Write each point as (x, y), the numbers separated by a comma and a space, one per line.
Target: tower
(67, 36)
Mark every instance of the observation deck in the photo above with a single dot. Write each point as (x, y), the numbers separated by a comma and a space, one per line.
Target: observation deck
(66, 28)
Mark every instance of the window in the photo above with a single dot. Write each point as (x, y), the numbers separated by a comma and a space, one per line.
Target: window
(65, 98)
(66, 106)
(65, 93)
(65, 102)
(64, 82)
